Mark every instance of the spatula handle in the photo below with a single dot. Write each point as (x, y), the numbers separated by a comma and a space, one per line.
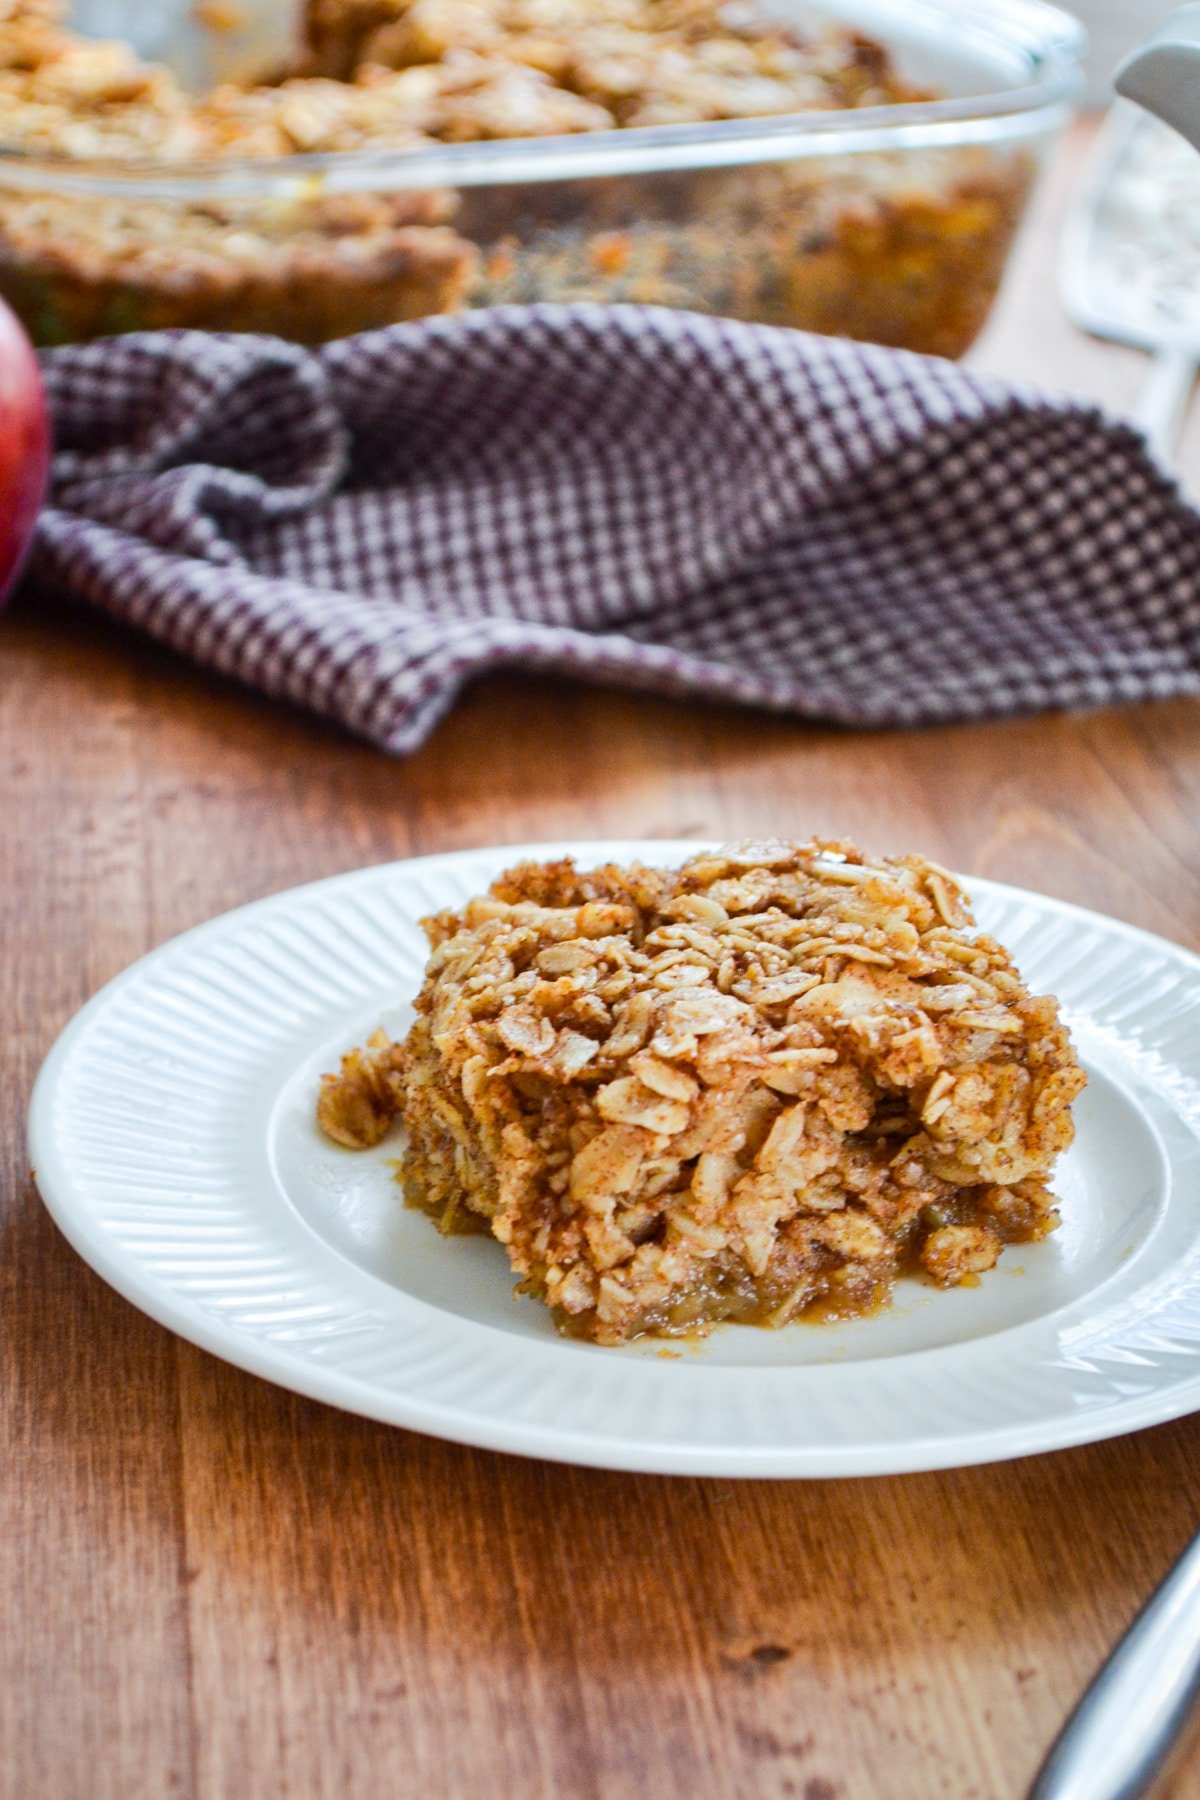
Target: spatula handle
(1119, 1735)
(1163, 402)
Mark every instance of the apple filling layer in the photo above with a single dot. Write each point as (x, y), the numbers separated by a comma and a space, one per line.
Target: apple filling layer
(754, 1087)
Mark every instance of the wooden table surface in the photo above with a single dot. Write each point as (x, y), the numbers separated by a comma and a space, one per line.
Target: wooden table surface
(211, 1587)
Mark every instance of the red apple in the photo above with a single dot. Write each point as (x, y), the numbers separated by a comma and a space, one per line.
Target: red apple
(24, 447)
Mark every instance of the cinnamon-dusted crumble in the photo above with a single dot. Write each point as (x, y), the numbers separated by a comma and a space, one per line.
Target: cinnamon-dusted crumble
(903, 248)
(760, 1085)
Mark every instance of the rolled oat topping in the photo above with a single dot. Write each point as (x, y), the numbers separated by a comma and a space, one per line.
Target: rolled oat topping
(758, 1085)
(374, 75)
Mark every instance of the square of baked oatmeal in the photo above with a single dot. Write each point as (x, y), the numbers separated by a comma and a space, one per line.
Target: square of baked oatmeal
(756, 1086)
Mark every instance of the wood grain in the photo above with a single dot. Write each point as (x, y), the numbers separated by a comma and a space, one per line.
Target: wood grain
(213, 1588)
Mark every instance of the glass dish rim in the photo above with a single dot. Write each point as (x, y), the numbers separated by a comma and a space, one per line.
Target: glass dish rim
(1038, 103)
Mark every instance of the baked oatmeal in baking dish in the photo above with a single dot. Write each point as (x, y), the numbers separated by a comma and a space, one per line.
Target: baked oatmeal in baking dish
(756, 1087)
(903, 248)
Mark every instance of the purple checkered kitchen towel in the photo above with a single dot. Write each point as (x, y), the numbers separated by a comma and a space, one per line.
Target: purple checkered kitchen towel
(624, 494)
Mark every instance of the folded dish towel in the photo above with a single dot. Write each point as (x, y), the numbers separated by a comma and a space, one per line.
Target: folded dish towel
(625, 494)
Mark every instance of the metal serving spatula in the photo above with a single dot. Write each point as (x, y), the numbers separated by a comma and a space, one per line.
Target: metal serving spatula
(1131, 253)
(202, 42)
(1132, 272)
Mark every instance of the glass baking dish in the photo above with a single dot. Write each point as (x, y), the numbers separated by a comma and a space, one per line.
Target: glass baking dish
(888, 223)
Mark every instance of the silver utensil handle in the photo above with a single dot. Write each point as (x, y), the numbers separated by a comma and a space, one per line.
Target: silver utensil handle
(1163, 403)
(1119, 1735)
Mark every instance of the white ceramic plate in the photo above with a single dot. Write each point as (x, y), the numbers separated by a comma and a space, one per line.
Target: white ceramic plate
(173, 1138)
